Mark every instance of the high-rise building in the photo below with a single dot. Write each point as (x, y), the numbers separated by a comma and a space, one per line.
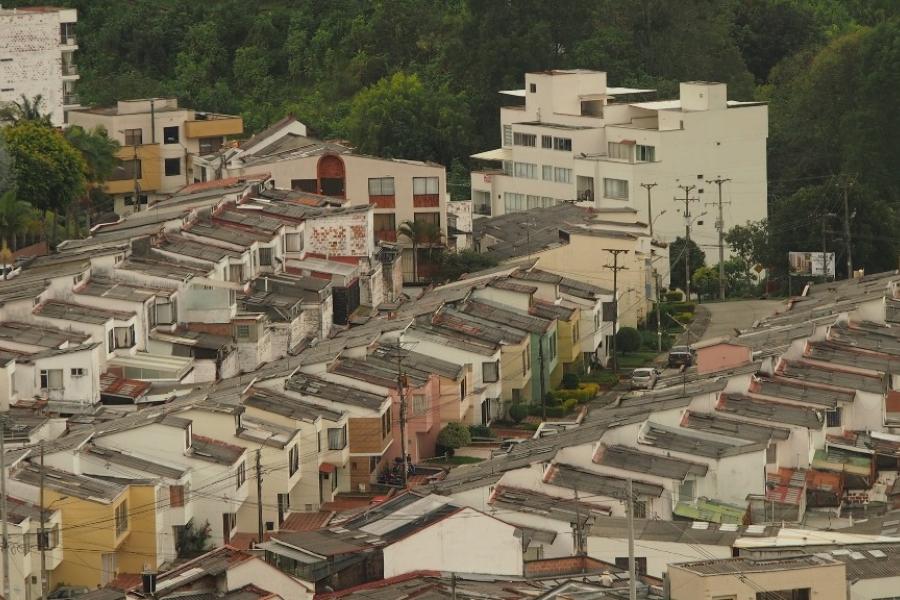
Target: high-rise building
(577, 139)
(37, 48)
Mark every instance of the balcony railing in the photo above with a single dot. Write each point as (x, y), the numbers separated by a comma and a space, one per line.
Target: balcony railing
(426, 200)
(70, 99)
(68, 40)
(69, 69)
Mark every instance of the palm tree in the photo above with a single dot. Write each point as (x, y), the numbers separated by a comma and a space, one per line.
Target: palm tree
(418, 233)
(99, 153)
(15, 218)
(26, 110)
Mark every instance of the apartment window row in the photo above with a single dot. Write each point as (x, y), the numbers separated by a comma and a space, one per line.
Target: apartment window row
(422, 186)
(514, 202)
(386, 423)
(490, 371)
(337, 438)
(241, 475)
(526, 170)
(524, 139)
(631, 152)
(507, 135)
(293, 459)
(425, 186)
(557, 174)
(121, 518)
(381, 186)
(617, 189)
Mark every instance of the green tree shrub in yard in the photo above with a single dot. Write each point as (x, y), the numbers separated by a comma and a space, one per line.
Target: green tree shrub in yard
(454, 435)
(628, 339)
(480, 431)
(684, 317)
(673, 296)
(518, 411)
(570, 381)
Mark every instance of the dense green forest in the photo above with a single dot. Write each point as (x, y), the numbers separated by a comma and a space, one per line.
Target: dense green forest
(419, 79)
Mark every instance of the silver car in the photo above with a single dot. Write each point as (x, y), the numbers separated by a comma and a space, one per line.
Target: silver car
(644, 378)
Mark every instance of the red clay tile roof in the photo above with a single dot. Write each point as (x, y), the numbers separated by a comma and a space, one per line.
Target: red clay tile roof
(112, 384)
(306, 521)
(126, 581)
(221, 183)
(785, 486)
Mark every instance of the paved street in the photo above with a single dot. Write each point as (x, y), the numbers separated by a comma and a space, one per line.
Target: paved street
(725, 317)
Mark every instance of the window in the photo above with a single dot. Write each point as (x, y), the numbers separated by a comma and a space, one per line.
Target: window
(418, 405)
(513, 202)
(241, 476)
(208, 145)
(337, 438)
(833, 417)
(385, 222)
(127, 169)
(507, 135)
(547, 172)
(236, 273)
(795, 594)
(686, 491)
(122, 518)
(134, 137)
(547, 141)
(77, 372)
(562, 175)
(229, 522)
(533, 201)
(547, 201)
(170, 135)
(526, 170)
(482, 202)
(173, 167)
(319, 441)
(51, 379)
(645, 153)
(615, 188)
(48, 539)
(293, 459)
(524, 139)
(640, 564)
(293, 242)
(575, 332)
(265, 257)
(67, 34)
(564, 144)
(640, 509)
(305, 185)
(516, 395)
(242, 332)
(553, 346)
(386, 423)
(430, 218)
(164, 312)
(490, 371)
(532, 87)
(619, 151)
(123, 337)
(462, 388)
(381, 186)
(425, 185)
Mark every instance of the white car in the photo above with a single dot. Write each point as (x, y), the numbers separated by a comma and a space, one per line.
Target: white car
(644, 378)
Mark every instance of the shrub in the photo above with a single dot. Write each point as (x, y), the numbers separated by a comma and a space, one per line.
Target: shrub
(480, 431)
(570, 381)
(685, 317)
(608, 378)
(551, 398)
(454, 435)
(683, 307)
(518, 411)
(674, 296)
(628, 339)
(584, 393)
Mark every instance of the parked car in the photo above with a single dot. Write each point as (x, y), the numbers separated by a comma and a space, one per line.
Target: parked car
(644, 378)
(66, 592)
(681, 356)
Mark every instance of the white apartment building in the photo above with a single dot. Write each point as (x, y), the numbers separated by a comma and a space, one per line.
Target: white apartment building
(37, 48)
(576, 139)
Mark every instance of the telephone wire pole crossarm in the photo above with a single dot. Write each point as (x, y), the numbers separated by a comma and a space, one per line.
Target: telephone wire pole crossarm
(687, 236)
(615, 268)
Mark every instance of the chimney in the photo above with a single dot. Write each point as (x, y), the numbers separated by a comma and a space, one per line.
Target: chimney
(148, 582)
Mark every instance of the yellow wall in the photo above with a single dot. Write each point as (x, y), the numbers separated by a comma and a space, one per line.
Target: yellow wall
(214, 127)
(511, 371)
(569, 347)
(138, 547)
(87, 533)
(151, 170)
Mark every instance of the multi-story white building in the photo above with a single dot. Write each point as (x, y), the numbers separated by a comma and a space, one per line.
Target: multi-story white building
(576, 139)
(37, 48)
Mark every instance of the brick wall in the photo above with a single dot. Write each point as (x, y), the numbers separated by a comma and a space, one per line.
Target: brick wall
(32, 41)
(365, 435)
(567, 565)
(343, 235)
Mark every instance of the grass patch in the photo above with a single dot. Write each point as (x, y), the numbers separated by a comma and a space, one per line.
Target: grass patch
(636, 360)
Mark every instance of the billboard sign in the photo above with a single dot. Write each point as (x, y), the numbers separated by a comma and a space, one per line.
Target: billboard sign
(811, 264)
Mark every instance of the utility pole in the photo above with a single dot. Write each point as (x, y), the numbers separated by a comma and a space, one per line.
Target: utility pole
(629, 505)
(720, 225)
(259, 498)
(400, 382)
(648, 187)
(687, 237)
(3, 512)
(579, 550)
(615, 269)
(658, 315)
(137, 188)
(825, 218)
(43, 539)
(543, 383)
(846, 184)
